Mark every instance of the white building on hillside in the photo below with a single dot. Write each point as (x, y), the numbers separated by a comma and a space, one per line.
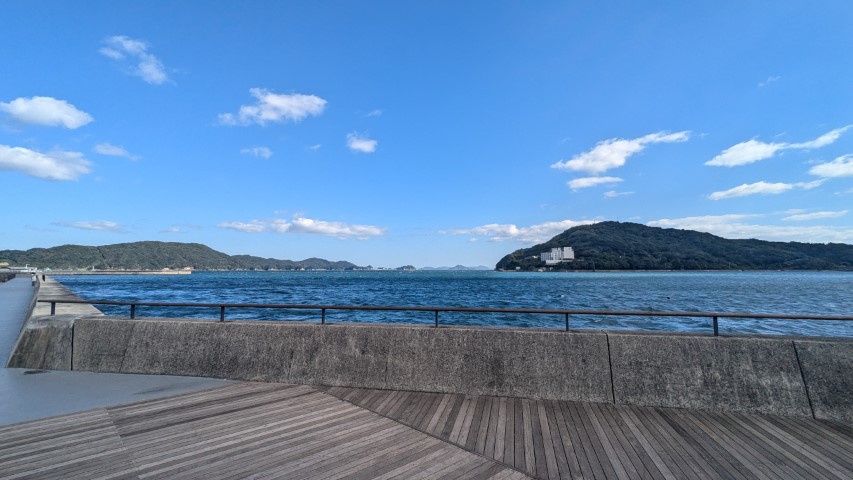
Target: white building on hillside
(557, 255)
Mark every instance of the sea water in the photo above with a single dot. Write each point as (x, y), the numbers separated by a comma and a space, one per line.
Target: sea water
(806, 293)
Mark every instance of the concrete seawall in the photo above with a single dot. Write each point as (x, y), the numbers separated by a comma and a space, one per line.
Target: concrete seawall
(776, 375)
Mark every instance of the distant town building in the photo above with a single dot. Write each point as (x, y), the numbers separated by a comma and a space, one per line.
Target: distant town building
(557, 255)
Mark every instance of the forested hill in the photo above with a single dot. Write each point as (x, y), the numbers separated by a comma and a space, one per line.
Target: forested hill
(155, 256)
(631, 246)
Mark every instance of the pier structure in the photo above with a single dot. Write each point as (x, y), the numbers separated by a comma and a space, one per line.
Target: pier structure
(379, 401)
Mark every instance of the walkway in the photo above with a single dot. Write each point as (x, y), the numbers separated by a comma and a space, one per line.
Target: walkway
(268, 430)
(286, 431)
(551, 439)
(15, 297)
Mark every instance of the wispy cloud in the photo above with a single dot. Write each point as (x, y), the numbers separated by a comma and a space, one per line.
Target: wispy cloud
(613, 153)
(359, 143)
(104, 226)
(743, 226)
(614, 194)
(314, 148)
(262, 152)
(248, 227)
(275, 107)
(762, 188)
(801, 217)
(840, 167)
(586, 182)
(374, 113)
(497, 232)
(54, 165)
(46, 111)
(114, 151)
(752, 151)
(134, 53)
(303, 225)
(770, 79)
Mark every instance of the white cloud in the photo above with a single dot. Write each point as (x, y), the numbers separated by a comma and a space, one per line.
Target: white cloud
(274, 107)
(333, 229)
(734, 226)
(840, 167)
(800, 217)
(114, 151)
(303, 225)
(752, 151)
(586, 182)
(104, 226)
(314, 147)
(251, 227)
(533, 234)
(375, 113)
(770, 79)
(762, 188)
(614, 194)
(144, 64)
(55, 165)
(614, 152)
(46, 111)
(358, 143)
(263, 152)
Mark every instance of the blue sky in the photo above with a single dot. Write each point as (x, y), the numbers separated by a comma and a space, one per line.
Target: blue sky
(425, 133)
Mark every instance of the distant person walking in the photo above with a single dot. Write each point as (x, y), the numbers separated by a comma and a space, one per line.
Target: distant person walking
(35, 279)
(42, 277)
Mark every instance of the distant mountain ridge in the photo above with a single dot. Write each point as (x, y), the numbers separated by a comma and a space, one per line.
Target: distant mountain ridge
(457, 268)
(632, 246)
(157, 256)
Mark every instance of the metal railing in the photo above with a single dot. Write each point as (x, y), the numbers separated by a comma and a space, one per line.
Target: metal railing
(566, 313)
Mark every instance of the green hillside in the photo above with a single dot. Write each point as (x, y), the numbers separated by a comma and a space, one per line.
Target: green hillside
(155, 256)
(631, 246)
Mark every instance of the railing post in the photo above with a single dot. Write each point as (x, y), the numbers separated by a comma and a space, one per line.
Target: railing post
(716, 328)
(53, 308)
(132, 311)
(567, 322)
(221, 313)
(323, 316)
(436, 319)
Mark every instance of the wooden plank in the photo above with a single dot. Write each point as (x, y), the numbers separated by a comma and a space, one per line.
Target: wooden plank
(547, 442)
(594, 450)
(485, 425)
(527, 429)
(670, 442)
(474, 430)
(640, 461)
(565, 445)
(460, 420)
(451, 416)
(435, 418)
(500, 430)
(578, 439)
(519, 461)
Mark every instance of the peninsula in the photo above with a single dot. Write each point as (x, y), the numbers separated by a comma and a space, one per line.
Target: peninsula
(632, 246)
(156, 256)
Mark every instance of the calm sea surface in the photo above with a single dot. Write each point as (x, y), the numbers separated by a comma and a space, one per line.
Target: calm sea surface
(817, 293)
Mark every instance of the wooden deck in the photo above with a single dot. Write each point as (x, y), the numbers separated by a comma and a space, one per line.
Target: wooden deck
(237, 431)
(282, 431)
(552, 439)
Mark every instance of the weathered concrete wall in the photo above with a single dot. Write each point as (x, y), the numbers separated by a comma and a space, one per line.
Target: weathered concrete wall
(45, 343)
(828, 373)
(475, 361)
(740, 374)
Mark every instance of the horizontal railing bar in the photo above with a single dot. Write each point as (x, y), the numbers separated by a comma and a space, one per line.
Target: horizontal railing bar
(460, 309)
